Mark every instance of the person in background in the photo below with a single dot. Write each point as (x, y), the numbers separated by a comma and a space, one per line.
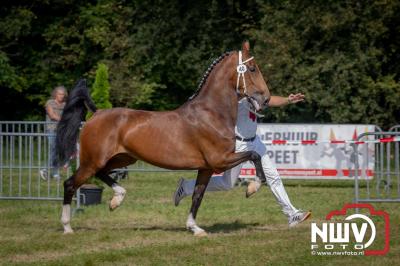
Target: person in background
(54, 108)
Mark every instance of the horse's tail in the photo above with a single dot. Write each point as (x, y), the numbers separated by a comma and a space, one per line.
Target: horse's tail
(68, 127)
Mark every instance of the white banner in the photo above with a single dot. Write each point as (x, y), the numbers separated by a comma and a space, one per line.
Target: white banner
(316, 161)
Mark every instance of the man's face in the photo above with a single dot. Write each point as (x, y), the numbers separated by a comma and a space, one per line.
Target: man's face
(60, 96)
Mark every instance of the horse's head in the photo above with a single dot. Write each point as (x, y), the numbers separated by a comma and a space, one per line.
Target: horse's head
(250, 82)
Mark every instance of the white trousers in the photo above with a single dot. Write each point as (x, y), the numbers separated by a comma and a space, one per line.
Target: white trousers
(228, 179)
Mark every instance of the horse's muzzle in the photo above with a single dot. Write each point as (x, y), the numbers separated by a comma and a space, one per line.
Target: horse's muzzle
(255, 103)
(258, 101)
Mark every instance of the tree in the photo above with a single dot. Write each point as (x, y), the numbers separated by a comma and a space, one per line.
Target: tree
(340, 53)
(345, 55)
(101, 88)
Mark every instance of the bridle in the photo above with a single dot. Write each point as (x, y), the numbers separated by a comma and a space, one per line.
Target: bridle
(241, 69)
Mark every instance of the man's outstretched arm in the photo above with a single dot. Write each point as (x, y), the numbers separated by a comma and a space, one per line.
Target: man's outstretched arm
(278, 101)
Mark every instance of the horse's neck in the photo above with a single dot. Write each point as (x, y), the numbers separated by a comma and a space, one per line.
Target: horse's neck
(218, 93)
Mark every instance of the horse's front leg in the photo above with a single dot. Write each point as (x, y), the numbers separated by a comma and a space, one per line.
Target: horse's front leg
(203, 177)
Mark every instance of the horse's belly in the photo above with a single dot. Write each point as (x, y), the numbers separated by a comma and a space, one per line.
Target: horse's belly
(169, 156)
(164, 148)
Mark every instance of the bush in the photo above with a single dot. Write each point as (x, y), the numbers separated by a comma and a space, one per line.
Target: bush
(101, 88)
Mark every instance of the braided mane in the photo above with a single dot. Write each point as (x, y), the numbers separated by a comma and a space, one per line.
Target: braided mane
(207, 73)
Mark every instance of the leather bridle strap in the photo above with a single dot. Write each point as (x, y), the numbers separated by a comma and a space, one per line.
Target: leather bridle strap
(241, 69)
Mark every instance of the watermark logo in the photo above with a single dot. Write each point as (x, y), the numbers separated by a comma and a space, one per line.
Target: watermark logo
(353, 234)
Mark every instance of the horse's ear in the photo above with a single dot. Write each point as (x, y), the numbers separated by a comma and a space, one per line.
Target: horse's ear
(246, 48)
(81, 83)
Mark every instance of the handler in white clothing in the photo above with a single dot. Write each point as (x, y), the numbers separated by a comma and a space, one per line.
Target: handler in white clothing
(247, 140)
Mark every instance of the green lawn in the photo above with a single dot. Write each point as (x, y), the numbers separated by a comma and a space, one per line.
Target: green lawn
(148, 230)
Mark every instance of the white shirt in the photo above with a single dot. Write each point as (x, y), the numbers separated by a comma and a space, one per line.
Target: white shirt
(246, 122)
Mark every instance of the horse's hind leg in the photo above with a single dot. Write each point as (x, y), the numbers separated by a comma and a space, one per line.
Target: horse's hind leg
(70, 186)
(119, 192)
(203, 177)
(118, 161)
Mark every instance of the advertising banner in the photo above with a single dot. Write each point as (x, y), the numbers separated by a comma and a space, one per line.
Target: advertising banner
(319, 160)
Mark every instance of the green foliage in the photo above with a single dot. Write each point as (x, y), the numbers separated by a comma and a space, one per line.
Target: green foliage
(101, 88)
(343, 54)
(340, 54)
(8, 75)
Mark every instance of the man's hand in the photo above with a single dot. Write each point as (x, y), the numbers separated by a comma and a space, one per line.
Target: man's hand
(295, 98)
(279, 101)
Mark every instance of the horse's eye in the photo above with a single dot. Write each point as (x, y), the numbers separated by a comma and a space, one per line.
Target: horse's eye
(252, 69)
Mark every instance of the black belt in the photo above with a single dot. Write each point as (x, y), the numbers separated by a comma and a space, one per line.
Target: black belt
(244, 139)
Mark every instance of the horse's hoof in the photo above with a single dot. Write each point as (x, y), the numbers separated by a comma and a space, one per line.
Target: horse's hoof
(116, 201)
(68, 231)
(200, 234)
(113, 205)
(252, 188)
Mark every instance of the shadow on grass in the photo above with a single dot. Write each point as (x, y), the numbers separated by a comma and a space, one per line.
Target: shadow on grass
(236, 226)
(321, 183)
(229, 227)
(215, 228)
(132, 228)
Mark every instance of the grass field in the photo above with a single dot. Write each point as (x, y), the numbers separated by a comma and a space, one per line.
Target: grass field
(148, 230)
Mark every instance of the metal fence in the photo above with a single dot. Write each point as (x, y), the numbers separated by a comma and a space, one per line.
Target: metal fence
(385, 184)
(25, 149)
(25, 163)
(25, 169)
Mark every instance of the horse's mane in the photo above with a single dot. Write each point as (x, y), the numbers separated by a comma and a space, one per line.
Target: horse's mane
(207, 73)
(68, 128)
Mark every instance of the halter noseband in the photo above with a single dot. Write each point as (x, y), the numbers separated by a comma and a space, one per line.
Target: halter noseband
(241, 69)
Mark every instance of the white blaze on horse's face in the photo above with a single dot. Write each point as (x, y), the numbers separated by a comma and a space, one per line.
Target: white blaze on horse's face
(250, 83)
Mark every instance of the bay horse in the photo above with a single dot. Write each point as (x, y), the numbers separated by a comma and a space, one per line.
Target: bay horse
(199, 135)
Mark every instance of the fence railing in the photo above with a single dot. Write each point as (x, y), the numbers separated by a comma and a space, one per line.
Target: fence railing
(25, 162)
(26, 172)
(385, 184)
